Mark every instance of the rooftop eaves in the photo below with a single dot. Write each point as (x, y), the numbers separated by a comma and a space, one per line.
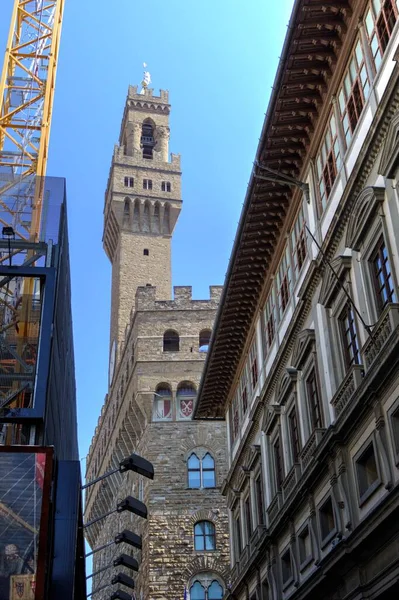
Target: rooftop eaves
(310, 61)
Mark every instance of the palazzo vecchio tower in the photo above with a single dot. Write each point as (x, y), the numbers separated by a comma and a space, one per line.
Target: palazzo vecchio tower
(158, 343)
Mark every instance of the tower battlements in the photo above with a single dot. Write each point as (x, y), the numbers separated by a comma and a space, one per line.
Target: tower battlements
(182, 299)
(148, 93)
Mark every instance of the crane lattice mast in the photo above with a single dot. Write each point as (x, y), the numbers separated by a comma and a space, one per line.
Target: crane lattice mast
(26, 101)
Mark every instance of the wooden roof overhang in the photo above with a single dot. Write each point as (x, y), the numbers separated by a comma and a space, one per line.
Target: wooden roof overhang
(315, 36)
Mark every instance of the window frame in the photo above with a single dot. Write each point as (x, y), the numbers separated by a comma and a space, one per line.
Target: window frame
(374, 33)
(192, 470)
(147, 184)
(332, 151)
(243, 391)
(253, 370)
(128, 182)
(201, 454)
(206, 580)
(355, 82)
(204, 536)
(353, 344)
(394, 434)
(312, 369)
(270, 321)
(375, 251)
(175, 338)
(235, 418)
(310, 557)
(249, 524)
(364, 495)
(204, 336)
(333, 532)
(237, 533)
(278, 463)
(295, 444)
(284, 282)
(166, 186)
(259, 499)
(299, 242)
(287, 582)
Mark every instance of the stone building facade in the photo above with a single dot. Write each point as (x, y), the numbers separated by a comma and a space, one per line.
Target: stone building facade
(157, 350)
(304, 362)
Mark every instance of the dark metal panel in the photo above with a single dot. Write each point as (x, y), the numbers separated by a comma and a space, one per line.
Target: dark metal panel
(68, 567)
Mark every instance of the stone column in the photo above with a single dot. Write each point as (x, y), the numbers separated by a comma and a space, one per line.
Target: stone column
(162, 147)
(136, 138)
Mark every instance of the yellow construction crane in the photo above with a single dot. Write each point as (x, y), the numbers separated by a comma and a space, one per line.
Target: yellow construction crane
(27, 88)
(26, 102)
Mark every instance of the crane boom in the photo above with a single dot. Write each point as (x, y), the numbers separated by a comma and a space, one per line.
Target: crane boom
(27, 87)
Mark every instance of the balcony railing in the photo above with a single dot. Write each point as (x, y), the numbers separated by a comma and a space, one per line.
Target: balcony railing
(347, 388)
(274, 507)
(310, 447)
(290, 481)
(387, 323)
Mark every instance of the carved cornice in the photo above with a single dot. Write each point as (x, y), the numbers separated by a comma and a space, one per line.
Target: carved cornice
(271, 416)
(304, 345)
(363, 212)
(286, 386)
(390, 155)
(330, 285)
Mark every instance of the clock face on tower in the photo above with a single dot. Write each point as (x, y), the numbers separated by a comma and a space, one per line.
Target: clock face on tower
(112, 358)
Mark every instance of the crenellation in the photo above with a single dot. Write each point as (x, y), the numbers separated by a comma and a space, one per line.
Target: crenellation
(182, 294)
(215, 292)
(133, 93)
(147, 300)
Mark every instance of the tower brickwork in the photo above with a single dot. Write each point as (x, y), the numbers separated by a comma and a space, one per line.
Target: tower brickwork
(157, 351)
(142, 205)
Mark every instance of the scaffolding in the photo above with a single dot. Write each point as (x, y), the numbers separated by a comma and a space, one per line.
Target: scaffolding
(27, 87)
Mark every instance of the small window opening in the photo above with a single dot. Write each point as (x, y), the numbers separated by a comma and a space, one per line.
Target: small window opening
(147, 184)
(171, 342)
(204, 339)
(204, 536)
(147, 140)
(129, 182)
(327, 521)
(146, 252)
(166, 186)
(304, 545)
(286, 567)
(395, 429)
(367, 472)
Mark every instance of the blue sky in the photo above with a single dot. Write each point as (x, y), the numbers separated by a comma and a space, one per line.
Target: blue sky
(218, 59)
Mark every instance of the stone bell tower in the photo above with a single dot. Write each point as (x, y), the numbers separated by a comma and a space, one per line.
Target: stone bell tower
(142, 204)
(157, 352)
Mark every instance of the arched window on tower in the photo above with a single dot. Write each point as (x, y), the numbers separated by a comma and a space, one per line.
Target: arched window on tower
(186, 394)
(204, 536)
(166, 219)
(171, 342)
(126, 212)
(205, 586)
(147, 139)
(204, 339)
(146, 217)
(197, 591)
(162, 407)
(155, 221)
(136, 215)
(201, 470)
